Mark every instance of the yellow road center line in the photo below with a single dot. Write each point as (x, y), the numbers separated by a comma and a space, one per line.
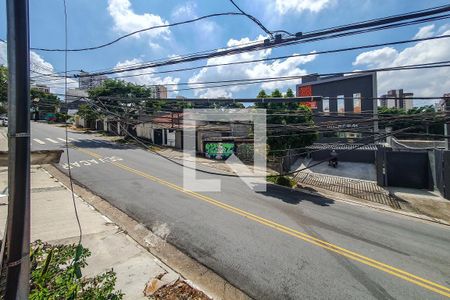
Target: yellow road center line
(432, 286)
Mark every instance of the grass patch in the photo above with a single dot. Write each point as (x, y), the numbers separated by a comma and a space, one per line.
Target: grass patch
(281, 180)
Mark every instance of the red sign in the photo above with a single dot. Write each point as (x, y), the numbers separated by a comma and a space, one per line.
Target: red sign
(304, 91)
(310, 104)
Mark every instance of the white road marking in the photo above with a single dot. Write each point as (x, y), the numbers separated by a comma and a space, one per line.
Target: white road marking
(72, 139)
(91, 162)
(39, 141)
(53, 141)
(62, 140)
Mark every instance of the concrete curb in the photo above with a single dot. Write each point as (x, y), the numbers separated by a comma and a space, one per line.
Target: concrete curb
(333, 195)
(324, 193)
(202, 277)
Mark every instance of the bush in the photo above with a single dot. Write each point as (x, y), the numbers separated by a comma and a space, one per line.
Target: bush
(281, 180)
(61, 117)
(56, 274)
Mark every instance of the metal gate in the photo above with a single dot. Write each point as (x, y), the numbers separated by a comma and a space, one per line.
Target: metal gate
(158, 136)
(408, 169)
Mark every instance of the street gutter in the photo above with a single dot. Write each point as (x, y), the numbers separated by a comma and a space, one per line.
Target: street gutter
(198, 275)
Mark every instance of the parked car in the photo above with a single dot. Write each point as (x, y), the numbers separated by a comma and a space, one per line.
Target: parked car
(4, 121)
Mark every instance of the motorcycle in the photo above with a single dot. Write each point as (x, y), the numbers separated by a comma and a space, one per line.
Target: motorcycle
(333, 163)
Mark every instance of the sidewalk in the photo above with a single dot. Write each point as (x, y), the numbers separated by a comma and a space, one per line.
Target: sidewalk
(53, 220)
(409, 201)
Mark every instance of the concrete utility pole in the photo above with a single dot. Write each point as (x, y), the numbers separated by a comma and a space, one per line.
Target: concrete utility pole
(16, 251)
(447, 122)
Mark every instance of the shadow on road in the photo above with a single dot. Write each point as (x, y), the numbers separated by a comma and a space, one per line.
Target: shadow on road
(293, 196)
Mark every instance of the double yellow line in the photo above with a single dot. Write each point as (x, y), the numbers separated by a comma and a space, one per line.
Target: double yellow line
(429, 285)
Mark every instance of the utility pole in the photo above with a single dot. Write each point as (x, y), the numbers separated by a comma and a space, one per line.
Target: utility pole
(447, 120)
(16, 250)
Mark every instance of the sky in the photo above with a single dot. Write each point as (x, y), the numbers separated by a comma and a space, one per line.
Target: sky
(93, 22)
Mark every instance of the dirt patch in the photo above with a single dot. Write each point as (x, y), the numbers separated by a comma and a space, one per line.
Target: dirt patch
(180, 290)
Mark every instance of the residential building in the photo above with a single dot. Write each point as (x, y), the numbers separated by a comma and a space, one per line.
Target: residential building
(158, 92)
(75, 97)
(397, 99)
(87, 81)
(342, 96)
(442, 103)
(41, 87)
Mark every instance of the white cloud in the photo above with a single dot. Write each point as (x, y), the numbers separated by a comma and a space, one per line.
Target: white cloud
(204, 28)
(46, 72)
(425, 32)
(126, 21)
(144, 78)
(376, 58)
(286, 6)
(277, 68)
(423, 82)
(184, 11)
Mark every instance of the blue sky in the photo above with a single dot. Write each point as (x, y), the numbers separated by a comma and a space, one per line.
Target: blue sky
(92, 22)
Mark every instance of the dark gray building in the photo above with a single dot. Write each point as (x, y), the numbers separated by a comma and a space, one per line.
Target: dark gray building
(349, 99)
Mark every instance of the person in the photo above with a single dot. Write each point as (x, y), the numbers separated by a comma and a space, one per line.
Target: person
(333, 158)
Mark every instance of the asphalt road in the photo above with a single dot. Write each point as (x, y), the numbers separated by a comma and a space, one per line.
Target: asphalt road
(279, 244)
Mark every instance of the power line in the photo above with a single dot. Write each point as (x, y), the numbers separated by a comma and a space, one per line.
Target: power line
(362, 27)
(250, 81)
(376, 136)
(66, 37)
(238, 82)
(139, 31)
(288, 56)
(253, 19)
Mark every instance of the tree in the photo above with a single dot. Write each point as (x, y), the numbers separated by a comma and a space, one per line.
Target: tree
(284, 114)
(406, 119)
(44, 103)
(289, 93)
(87, 112)
(119, 90)
(3, 88)
(262, 94)
(277, 94)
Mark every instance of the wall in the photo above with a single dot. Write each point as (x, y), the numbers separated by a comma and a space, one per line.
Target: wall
(442, 172)
(145, 130)
(346, 86)
(409, 169)
(363, 156)
(218, 150)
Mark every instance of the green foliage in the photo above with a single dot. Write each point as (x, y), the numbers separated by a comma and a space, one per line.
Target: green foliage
(62, 117)
(87, 112)
(433, 126)
(3, 84)
(284, 114)
(56, 274)
(44, 102)
(281, 180)
(289, 93)
(262, 94)
(276, 94)
(122, 89)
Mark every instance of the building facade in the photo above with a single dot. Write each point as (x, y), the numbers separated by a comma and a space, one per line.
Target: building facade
(87, 81)
(397, 99)
(158, 92)
(41, 87)
(351, 98)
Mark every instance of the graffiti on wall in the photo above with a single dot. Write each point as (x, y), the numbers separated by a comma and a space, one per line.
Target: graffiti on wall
(219, 150)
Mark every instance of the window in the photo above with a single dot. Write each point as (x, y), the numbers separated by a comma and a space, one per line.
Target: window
(357, 102)
(326, 105)
(340, 104)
